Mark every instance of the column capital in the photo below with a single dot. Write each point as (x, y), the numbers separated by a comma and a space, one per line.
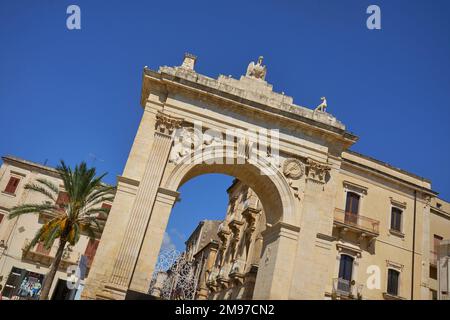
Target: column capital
(166, 124)
(316, 171)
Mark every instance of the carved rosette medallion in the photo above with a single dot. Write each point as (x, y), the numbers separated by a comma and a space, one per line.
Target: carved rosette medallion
(167, 124)
(293, 169)
(316, 171)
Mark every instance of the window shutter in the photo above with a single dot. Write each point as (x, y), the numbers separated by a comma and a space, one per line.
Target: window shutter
(12, 185)
(436, 242)
(63, 199)
(91, 249)
(41, 249)
(104, 216)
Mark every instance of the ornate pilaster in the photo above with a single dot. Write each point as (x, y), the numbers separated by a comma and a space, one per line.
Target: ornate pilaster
(143, 204)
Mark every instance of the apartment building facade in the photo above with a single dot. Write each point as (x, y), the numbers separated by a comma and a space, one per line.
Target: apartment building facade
(375, 223)
(22, 273)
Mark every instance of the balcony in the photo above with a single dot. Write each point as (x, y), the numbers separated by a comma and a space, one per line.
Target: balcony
(364, 226)
(44, 257)
(345, 289)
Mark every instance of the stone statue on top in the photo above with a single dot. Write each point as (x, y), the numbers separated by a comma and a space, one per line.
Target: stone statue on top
(257, 70)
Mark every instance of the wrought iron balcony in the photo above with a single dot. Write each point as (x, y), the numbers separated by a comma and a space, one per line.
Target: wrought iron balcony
(40, 255)
(346, 289)
(356, 222)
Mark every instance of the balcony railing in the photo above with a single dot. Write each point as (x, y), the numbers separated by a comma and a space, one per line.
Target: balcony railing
(347, 288)
(357, 221)
(39, 254)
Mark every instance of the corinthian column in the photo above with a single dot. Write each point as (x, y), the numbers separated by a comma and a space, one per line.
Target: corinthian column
(140, 214)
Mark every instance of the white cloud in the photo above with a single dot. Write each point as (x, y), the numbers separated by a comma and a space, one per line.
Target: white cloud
(167, 243)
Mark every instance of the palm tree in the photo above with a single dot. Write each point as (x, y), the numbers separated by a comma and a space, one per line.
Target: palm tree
(78, 214)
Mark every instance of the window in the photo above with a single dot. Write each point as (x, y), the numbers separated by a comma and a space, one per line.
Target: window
(91, 249)
(103, 216)
(12, 185)
(433, 294)
(392, 285)
(352, 208)
(346, 267)
(1, 217)
(345, 273)
(436, 242)
(62, 200)
(434, 253)
(352, 203)
(396, 219)
(41, 248)
(433, 272)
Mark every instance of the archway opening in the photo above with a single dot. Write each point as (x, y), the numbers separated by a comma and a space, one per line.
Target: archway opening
(213, 240)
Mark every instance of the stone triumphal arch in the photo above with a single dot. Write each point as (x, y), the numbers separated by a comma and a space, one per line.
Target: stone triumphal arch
(291, 163)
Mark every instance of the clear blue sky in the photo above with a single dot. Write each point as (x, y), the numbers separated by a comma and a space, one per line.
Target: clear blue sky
(68, 94)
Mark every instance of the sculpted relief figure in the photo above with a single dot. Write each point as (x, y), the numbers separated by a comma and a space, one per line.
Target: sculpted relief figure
(257, 70)
(185, 141)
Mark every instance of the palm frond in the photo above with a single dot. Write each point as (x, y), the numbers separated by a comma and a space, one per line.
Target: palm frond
(94, 203)
(51, 235)
(89, 230)
(104, 191)
(74, 234)
(40, 189)
(93, 211)
(53, 187)
(31, 208)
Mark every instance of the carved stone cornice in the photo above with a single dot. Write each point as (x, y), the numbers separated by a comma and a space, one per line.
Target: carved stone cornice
(316, 171)
(167, 124)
